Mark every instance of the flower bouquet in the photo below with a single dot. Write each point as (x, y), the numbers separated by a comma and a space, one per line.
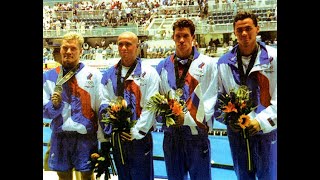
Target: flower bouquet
(168, 107)
(118, 116)
(235, 108)
(102, 161)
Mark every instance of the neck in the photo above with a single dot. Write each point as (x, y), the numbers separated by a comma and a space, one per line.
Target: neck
(185, 56)
(68, 68)
(127, 63)
(247, 51)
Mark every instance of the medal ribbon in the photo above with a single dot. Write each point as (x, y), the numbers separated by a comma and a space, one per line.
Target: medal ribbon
(120, 84)
(244, 76)
(180, 80)
(61, 80)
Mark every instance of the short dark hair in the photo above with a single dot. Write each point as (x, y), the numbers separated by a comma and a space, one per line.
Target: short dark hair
(184, 23)
(56, 50)
(243, 14)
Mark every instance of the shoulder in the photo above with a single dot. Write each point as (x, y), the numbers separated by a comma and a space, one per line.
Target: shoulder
(165, 60)
(150, 62)
(108, 72)
(51, 72)
(91, 69)
(92, 72)
(207, 59)
(162, 63)
(148, 67)
(272, 51)
(149, 73)
(225, 58)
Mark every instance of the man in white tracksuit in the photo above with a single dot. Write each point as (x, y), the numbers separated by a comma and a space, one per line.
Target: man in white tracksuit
(136, 82)
(71, 100)
(253, 64)
(194, 76)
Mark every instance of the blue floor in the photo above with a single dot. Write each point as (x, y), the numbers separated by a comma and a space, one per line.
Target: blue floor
(220, 153)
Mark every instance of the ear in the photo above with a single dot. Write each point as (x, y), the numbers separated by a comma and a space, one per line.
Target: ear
(258, 29)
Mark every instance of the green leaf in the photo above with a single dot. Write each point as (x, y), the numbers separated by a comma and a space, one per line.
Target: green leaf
(170, 121)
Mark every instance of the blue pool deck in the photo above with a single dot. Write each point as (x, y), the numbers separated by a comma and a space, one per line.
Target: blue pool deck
(222, 166)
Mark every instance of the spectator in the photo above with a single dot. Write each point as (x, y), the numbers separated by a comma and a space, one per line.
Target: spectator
(58, 26)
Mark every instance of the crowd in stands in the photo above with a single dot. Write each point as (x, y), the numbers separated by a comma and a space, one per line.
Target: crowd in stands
(86, 15)
(111, 13)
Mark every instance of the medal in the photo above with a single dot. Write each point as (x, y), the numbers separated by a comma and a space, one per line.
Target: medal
(180, 79)
(179, 92)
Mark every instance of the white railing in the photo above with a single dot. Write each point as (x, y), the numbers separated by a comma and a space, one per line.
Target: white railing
(96, 32)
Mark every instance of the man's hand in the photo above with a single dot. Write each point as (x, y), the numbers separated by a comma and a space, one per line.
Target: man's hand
(56, 99)
(126, 137)
(253, 127)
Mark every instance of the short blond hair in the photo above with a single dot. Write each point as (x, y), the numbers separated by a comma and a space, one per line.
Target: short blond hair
(74, 36)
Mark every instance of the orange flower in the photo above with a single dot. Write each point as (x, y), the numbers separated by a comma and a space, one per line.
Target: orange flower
(230, 108)
(243, 105)
(176, 108)
(244, 121)
(167, 106)
(95, 155)
(115, 108)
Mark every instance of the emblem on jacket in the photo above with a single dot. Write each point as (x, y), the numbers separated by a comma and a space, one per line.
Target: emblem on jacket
(199, 71)
(142, 79)
(89, 83)
(201, 65)
(89, 76)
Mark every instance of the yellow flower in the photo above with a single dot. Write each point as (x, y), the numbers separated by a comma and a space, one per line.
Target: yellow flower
(244, 121)
(124, 103)
(95, 155)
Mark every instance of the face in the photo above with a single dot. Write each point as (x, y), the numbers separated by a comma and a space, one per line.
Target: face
(246, 33)
(183, 40)
(128, 48)
(70, 53)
